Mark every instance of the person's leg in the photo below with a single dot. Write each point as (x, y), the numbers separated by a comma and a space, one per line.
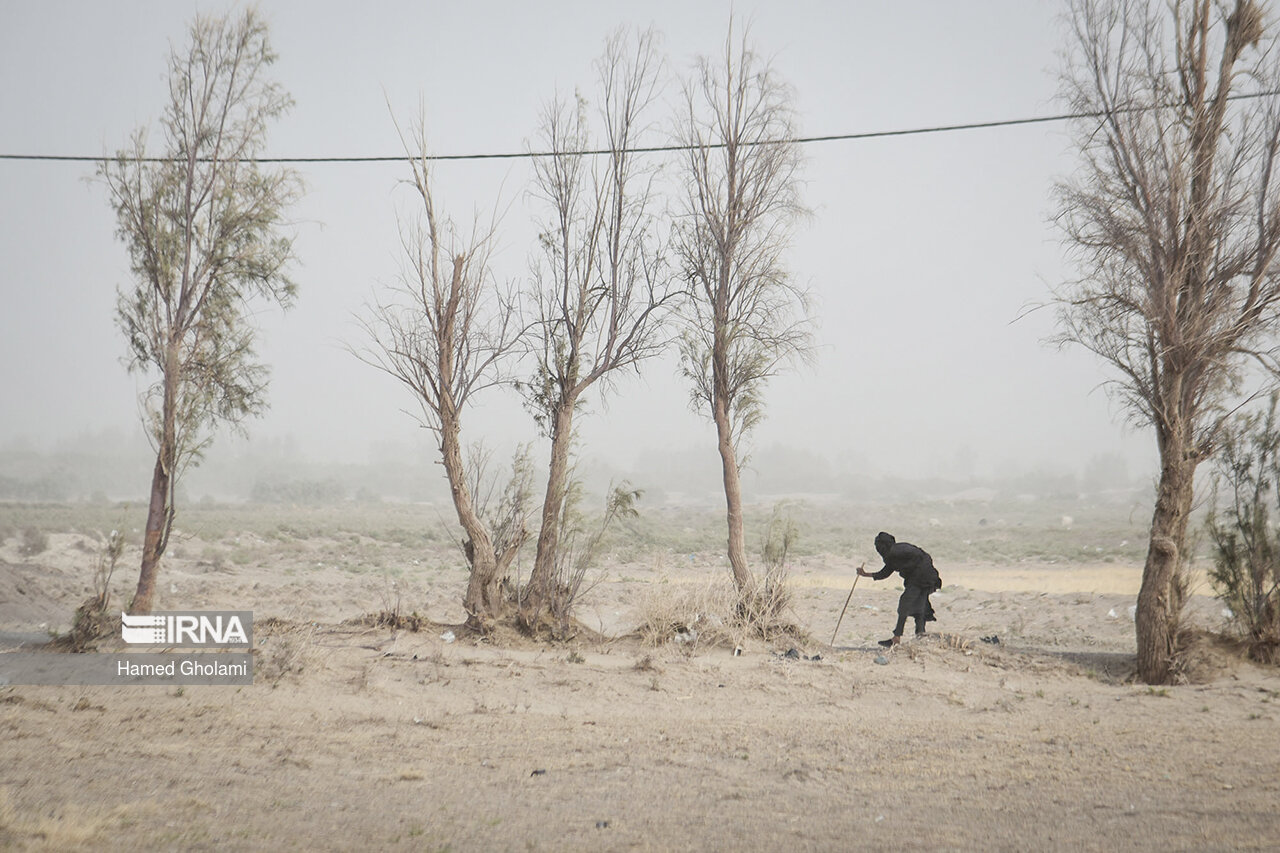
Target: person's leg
(905, 603)
(892, 641)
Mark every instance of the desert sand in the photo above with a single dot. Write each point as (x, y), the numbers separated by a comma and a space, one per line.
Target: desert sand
(357, 737)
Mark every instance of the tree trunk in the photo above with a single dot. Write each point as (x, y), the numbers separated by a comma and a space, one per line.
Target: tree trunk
(153, 543)
(543, 574)
(1157, 610)
(160, 512)
(483, 600)
(732, 498)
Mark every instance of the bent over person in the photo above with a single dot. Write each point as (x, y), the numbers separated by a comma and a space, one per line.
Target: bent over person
(919, 580)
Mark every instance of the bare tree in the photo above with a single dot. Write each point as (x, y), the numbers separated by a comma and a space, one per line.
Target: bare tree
(202, 223)
(1174, 220)
(600, 287)
(446, 334)
(747, 317)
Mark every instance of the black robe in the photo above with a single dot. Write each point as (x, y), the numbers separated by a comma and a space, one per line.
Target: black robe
(919, 578)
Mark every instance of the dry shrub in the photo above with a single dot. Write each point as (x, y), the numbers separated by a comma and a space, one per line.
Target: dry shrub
(576, 554)
(94, 618)
(646, 664)
(1246, 548)
(690, 613)
(90, 623)
(579, 548)
(392, 614)
(395, 620)
(711, 613)
(1265, 650)
(762, 610)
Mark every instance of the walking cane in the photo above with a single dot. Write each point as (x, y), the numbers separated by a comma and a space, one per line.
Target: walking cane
(846, 605)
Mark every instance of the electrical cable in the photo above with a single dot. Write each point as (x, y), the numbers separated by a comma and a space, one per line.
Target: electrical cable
(652, 149)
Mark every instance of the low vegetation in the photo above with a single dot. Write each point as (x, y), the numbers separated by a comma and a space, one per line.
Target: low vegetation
(1005, 531)
(1246, 548)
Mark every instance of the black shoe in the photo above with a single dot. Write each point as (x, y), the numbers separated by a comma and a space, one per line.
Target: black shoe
(888, 644)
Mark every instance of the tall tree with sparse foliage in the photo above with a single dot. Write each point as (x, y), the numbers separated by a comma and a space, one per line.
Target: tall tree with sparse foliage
(203, 223)
(600, 287)
(1173, 218)
(747, 317)
(447, 332)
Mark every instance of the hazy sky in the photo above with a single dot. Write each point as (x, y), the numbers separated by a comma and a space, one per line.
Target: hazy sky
(921, 252)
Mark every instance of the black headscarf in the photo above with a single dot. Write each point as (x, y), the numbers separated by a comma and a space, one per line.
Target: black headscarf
(884, 542)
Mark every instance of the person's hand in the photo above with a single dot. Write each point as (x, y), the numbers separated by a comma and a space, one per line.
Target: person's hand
(863, 573)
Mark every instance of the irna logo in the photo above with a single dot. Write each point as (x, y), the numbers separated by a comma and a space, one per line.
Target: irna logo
(224, 628)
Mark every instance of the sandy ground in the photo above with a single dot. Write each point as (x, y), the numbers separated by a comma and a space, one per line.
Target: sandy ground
(354, 737)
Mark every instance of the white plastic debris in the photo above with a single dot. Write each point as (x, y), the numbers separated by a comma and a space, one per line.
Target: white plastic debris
(1112, 614)
(1133, 610)
(1228, 613)
(448, 636)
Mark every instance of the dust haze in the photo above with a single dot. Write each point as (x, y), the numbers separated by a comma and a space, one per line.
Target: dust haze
(923, 254)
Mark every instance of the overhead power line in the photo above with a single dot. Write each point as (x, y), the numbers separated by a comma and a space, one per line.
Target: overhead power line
(653, 149)
(649, 149)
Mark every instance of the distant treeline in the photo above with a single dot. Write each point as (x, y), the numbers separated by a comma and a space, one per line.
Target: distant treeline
(306, 492)
(112, 466)
(46, 489)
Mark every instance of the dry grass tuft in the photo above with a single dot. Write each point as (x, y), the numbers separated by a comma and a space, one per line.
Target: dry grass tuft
(710, 613)
(646, 664)
(689, 613)
(956, 642)
(763, 611)
(396, 620)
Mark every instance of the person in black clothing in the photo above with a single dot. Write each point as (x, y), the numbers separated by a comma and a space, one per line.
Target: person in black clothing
(919, 580)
